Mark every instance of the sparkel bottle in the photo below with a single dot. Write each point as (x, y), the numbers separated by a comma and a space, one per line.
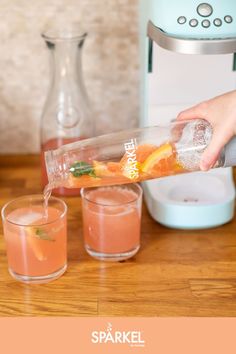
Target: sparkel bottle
(134, 155)
(66, 116)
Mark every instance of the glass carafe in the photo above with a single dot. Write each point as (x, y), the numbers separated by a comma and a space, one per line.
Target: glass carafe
(66, 116)
(135, 155)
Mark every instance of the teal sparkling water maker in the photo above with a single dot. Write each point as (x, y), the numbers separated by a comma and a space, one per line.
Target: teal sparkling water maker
(187, 56)
(194, 19)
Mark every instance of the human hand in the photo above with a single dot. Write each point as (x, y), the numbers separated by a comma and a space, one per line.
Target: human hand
(220, 112)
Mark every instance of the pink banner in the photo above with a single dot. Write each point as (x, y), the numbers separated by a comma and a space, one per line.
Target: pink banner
(118, 335)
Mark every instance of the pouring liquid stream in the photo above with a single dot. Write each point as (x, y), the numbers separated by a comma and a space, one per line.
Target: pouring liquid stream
(46, 195)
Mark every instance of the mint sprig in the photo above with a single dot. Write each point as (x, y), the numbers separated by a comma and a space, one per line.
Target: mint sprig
(82, 168)
(42, 235)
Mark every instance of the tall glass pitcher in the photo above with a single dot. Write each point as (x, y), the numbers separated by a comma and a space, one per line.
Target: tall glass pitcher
(66, 116)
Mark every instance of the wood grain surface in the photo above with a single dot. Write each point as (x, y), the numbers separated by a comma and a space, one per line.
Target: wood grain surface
(176, 273)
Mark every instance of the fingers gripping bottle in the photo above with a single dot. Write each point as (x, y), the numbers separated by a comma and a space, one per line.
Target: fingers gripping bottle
(134, 155)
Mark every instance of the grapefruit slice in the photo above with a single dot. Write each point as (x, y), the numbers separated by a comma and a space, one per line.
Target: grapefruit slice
(82, 182)
(142, 153)
(114, 168)
(100, 169)
(109, 169)
(178, 167)
(34, 243)
(159, 160)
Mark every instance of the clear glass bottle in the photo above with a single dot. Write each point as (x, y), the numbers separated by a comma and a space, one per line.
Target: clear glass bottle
(66, 116)
(134, 155)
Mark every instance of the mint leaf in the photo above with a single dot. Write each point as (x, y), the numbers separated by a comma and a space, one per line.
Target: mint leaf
(92, 174)
(82, 168)
(42, 235)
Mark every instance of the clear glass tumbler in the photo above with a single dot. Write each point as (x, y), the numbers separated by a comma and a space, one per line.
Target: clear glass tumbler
(111, 221)
(36, 238)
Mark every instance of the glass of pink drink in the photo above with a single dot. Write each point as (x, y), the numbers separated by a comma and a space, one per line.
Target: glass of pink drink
(111, 221)
(36, 238)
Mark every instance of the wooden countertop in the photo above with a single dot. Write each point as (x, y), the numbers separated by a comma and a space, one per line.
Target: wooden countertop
(176, 273)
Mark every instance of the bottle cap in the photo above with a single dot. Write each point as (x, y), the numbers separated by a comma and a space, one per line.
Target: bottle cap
(230, 153)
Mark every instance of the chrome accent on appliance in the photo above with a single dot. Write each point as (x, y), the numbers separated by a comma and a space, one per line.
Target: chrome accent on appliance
(181, 20)
(204, 10)
(206, 23)
(193, 22)
(190, 46)
(217, 22)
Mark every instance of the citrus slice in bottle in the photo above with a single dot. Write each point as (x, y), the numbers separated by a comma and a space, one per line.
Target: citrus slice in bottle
(178, 167)
(82, 181)
(115, 168)
(159, 161)
(139, 156)
(142, 152)
(102, 169)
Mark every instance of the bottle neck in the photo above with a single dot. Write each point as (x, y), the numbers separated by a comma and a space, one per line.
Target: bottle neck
(67, 99)
(66, 65)
(57, 169)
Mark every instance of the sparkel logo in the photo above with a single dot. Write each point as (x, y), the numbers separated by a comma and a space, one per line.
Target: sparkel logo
(131, 168)
(131, 338)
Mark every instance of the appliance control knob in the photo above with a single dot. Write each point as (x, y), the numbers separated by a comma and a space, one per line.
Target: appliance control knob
(206, 23)
(181, 20)
(217, 22)
(228, 19)
(193, 22)
(204, 10)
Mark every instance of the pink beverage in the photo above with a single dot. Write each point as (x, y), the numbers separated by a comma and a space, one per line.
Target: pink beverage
(54, 144)
(36, 241)
(111, 221)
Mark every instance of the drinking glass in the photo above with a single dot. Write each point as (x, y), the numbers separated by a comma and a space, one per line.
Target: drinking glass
(36, 238)
(111, 221)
